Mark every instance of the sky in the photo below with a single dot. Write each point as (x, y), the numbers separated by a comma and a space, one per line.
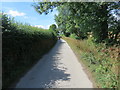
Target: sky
(24, 12)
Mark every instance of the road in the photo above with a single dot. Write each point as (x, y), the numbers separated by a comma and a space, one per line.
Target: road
(57, 69)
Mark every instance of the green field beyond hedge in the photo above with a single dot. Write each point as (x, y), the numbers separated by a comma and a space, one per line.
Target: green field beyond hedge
(22, 46)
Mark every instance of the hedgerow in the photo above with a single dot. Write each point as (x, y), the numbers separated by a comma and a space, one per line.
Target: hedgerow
(22, 46)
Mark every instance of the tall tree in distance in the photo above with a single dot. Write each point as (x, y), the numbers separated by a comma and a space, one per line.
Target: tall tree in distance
(54, 28)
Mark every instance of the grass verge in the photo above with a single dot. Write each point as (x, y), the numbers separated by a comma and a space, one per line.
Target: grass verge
(101, 61)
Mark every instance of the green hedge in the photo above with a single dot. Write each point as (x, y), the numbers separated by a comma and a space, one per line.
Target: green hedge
(22, 46)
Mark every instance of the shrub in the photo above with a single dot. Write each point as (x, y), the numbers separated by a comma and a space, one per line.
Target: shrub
(101, 60)
(23, 45)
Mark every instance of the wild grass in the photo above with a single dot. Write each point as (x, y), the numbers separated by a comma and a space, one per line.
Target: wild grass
(102, 62)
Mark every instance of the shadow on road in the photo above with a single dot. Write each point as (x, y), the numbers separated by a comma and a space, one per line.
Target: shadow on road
(47, 71)
(52, 67)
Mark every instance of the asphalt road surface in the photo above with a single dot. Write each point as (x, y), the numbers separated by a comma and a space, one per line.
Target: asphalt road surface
(57, 69)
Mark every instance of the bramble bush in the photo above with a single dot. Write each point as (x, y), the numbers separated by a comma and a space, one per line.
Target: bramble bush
(22, 46)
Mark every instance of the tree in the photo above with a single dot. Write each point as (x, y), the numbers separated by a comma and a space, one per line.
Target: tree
(82, 17)
(53, 27)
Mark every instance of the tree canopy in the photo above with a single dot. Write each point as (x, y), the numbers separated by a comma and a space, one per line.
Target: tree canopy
(81, 18)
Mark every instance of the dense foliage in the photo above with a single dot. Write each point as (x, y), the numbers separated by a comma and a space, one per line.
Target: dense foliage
(102, 62)
(23, 45)
(53, 27)
(83, 18)
(101, 22)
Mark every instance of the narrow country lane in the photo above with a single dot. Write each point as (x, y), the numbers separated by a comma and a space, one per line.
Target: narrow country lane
(57, 69)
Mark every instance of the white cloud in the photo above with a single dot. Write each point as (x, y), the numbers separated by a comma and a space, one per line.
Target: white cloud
(42, 26)
(15, 13)
(39, 26)
(47, 27)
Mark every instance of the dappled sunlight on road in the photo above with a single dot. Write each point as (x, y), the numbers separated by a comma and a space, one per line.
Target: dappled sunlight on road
(59, 68)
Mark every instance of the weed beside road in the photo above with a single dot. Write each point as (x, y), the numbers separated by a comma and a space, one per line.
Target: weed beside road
(101, 61)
